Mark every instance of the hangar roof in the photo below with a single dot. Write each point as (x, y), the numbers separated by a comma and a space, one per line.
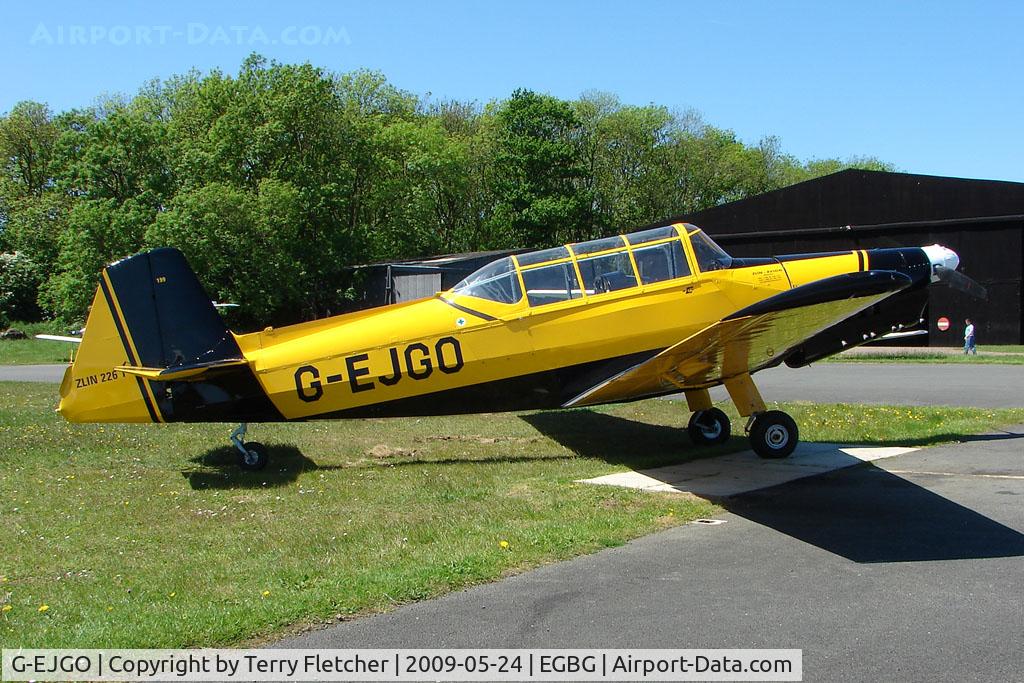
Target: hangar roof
(856, 197)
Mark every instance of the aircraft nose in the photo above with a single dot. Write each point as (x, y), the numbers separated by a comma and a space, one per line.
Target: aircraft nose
(941, 256)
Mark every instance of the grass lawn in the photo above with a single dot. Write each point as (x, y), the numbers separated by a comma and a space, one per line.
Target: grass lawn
(1003, 348)
(148, 536)
(1006, 354)
(35, 351)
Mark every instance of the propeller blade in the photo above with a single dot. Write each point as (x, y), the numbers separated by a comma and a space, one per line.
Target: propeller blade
(960, 282)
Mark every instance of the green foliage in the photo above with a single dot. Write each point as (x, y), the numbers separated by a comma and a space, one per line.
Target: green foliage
(34, 224)
(27, 137)
(99, 231)
(538, 159)
(275, 180)
(220, 228)
(19, 280)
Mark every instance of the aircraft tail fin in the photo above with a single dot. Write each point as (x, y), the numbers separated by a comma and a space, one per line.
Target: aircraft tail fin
(168, 316)
(149, 311)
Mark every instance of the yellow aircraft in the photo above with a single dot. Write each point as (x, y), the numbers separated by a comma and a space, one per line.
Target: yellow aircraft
(654, 312)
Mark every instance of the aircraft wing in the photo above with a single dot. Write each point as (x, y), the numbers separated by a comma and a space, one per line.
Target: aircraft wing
(750, 339)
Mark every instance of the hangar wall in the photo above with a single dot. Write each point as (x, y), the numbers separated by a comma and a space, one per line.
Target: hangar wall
(398, 281)
(982, 220)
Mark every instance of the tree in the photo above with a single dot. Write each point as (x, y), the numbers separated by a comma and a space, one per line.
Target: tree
(32, 210)
(815, 168)
(420, 200)
(538, 168)
(628, 152)
(19, 283)
(27, 137)
(244, 245)
(277, 179)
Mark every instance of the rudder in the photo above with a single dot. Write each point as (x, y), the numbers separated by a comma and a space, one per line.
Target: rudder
(168, 317)
(150, 315)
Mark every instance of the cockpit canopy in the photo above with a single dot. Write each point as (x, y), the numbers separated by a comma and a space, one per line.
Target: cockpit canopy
(497, 281)
(709, 255)
(595, 267)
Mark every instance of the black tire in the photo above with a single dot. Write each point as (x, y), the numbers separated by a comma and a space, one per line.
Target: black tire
(709, 427)
(774, 435)
(257, 457)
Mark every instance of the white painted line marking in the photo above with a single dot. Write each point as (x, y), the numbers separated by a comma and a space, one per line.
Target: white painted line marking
(736, 473)
(957, 474)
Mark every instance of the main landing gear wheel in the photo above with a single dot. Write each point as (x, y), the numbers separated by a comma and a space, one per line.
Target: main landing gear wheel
(254, 458)
(773, 435)
(709, 427)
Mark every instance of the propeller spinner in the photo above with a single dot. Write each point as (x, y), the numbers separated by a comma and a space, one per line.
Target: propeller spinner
(944, 263)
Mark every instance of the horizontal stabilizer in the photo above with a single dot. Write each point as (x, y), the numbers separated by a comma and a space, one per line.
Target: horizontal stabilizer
(192, 372)
(59, 337)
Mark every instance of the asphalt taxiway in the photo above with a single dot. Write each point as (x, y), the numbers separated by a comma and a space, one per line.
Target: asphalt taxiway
(32, 373)
(907, 384)
(909, 567)
(912, 384)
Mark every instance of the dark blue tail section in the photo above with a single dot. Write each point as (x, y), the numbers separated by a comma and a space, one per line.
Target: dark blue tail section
(168, 313)
(171, 322)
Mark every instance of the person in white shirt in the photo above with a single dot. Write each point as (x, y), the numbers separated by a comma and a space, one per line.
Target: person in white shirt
(969, 338)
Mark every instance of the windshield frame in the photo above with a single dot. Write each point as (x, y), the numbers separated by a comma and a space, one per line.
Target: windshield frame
(720, 258)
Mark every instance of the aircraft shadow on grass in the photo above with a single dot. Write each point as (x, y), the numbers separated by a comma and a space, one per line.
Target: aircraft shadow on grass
(618, 440)
(862, 513)
(934, 439)
(218, 469)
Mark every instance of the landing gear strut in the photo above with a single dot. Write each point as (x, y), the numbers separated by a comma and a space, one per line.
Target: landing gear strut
(252, 455)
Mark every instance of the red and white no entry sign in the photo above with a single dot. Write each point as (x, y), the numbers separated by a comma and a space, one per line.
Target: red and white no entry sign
(942, 324)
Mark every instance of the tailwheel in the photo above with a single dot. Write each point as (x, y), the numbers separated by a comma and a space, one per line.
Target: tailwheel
(773, 434)
(254, 456)
(709, 427)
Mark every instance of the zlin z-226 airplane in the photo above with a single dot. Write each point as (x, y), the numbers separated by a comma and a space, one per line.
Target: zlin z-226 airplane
(654, 312)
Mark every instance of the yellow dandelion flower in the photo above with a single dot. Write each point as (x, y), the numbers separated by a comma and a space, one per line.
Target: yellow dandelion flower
(6, 608)
(265, 594)
(503, 545)
(110, 609)
(44, 608)
(171, 594)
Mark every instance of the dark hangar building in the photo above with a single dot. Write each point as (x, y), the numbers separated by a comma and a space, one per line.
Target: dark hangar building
(981, 220)
(407, 280)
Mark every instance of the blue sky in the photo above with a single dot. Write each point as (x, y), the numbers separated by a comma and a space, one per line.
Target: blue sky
(933, 87)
